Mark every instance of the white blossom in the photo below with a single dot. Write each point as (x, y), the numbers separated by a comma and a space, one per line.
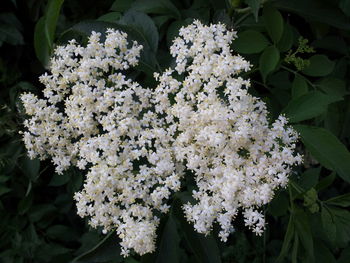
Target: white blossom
(223, 134)
(93, 117)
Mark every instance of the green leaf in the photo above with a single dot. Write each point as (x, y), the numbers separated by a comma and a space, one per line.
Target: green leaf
(31, 168)
(303, 229)
(121, 5)
(59, 179)
(44, 31)
(4, 190)
(287, 39)
(144, 25)
(288, 237)
(308, 106)
(41, 43)
(110, 17)
(268, 61)
(169, 244)
(323, 254)
(315, 10)
(328, 224)
(319, 66)
(295, 248)
(161, 7)
(11, 34)
(279, 205)
(333, 86)
(105, 251)
(309, 178)
(51, 17)
(340, 200)
(299, 86)
(344, 256)
(39, 211)
(62, 233)
(25, 204)
(255, 6)
(345, 6)
(341, 219)
(273, 23)
(327, 149)
(332, 43)
(325, 182)
(250, 42)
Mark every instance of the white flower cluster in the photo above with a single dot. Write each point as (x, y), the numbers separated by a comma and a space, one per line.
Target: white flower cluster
(136, 144)
(94, 118)
(223, 134)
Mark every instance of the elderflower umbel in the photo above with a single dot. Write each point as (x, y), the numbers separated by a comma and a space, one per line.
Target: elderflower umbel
(93, 117)
(222, 132)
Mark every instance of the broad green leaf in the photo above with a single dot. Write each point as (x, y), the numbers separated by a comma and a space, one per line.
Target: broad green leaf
(287, 39)
(323, 254)
(331, 43)
(341, 219)
(328, 224)
(279, 205)
(169, 244)
(44, 31)
(47, 252)
(309, 178)
(4, 190)
(144, 25)
(340, 200)
(121, 5)
(295, 248)
(31, 168)
(59, 179)
(25, 204)
(319, 66)
(110, 17)
(107, 250)
(273, 23)
(39, 211)
(344, 256)
(11, 34)
(159, 21)
(288, 237)
(218, 4)
(268, 61)
(317, 11)
(327, 149)
(303, 229)
(333, 86)
(325, 182)
(299, 87)
(345, 6)
(250, 42)
(255, 6)
(62, 233)
(51, 17)
(308, 106)
(162, 7)
(41, 43)
(4, 178)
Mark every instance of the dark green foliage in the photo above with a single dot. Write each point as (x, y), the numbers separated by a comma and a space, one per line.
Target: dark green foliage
(299, 51)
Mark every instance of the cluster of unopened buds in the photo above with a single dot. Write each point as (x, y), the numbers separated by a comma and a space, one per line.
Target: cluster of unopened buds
(137, 144)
